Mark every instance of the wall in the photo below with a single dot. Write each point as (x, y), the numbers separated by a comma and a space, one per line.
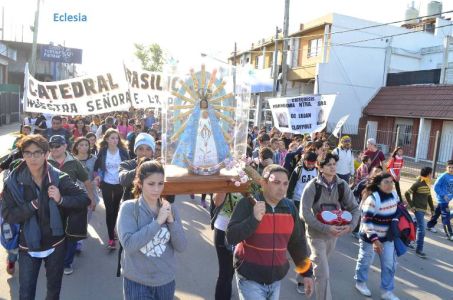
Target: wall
(303, 59)
(356, 71)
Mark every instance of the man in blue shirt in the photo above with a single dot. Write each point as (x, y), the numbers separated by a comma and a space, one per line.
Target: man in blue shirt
(444, 193)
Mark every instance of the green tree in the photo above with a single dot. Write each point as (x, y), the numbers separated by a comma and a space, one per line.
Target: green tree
(152, 57)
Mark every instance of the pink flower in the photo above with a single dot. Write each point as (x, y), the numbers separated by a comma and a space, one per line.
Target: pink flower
(237, 183)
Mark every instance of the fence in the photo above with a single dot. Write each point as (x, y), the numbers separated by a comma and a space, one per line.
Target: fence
(419, 150)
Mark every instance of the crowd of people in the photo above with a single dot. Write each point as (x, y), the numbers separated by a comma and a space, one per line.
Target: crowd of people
(306, 194)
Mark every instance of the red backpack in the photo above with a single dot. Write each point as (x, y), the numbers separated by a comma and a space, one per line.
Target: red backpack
(406, 224)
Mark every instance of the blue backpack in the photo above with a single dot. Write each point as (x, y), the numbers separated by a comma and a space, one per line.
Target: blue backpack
(9, 235)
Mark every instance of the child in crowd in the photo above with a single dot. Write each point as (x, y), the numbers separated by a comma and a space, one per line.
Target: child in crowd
(421, 198)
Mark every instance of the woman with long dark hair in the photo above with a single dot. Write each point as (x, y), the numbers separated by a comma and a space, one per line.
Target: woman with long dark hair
(79, 129)
(150, 231)
(112, 151)
(377, 211)
(123, 126)
(394, 167)
(92, 139)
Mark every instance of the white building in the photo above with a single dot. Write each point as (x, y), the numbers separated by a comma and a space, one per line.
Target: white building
(350, 57)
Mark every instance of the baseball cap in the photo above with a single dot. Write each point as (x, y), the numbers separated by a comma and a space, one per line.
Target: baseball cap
(371, 141)
(57, 140)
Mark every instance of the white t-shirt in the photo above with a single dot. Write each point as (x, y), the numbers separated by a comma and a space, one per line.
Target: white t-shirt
(112, 165)
(305, 176)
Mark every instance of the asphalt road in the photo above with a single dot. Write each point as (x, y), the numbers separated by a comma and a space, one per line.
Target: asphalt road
(94, 275)
(95, 269)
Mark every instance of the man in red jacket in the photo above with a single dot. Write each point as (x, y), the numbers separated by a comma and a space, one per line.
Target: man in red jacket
(263, 229)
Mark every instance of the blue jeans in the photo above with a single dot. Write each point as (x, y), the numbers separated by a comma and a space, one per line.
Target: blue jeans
(70, 253)
(249, 289)
(388, 264)
(420, 216)
(13, 254)
(29, 271)
(442, 210)
(135, 291)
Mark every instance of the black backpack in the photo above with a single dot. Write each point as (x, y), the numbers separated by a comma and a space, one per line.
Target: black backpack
(319, 191)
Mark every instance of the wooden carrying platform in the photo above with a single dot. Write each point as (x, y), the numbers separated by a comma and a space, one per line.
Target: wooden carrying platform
(180, 181)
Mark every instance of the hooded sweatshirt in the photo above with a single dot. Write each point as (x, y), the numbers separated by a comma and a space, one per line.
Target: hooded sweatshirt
(444, 187)
(149, 248)
(329, 196)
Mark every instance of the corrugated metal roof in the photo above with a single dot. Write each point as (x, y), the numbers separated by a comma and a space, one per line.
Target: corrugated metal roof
(416, 101)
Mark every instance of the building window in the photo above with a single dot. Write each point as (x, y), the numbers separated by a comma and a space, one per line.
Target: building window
(257, 62)
(314, 47)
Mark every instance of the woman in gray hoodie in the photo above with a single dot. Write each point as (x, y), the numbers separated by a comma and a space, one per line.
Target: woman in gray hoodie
(150, 230)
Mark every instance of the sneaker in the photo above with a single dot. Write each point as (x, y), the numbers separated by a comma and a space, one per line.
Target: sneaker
(111, 245)
(432, 229)
(356, 235)
(411, 245)
(68, 270)
(389, 295)
(10, 267)
(363, 289)
(420, 254)
(300, 288)
(451, 238)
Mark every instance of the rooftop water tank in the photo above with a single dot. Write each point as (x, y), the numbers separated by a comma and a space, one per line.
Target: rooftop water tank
(434, 7)
(411, 13)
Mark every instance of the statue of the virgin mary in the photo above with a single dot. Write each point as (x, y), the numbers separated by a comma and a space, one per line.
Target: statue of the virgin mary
(202, 147)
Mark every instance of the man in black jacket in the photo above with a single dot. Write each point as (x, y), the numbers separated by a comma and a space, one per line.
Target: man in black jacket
(144, 147)
(34, 196)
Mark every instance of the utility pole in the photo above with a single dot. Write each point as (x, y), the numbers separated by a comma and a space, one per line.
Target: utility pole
(443, 71)
(234, 69)
(3, 23)
(35, 40)
(285, 48)
(275, 65)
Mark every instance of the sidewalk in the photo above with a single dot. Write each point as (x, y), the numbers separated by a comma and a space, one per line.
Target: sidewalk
(8, 134)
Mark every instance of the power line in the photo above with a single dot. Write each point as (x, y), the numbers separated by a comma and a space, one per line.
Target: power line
(361, 28)
(355, 42)
(388, 36)
(375, 26)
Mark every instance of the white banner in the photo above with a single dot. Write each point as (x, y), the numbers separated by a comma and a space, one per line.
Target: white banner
(102, 93)
(150, 89)
(339, 125)
(302, 114)
(84, 95)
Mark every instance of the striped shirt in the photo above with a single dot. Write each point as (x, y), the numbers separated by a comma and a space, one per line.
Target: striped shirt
(377, 217)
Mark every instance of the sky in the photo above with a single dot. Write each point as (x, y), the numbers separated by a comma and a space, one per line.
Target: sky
(184, 28)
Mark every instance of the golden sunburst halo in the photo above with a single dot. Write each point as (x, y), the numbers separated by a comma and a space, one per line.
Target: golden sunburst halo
(193, 91)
